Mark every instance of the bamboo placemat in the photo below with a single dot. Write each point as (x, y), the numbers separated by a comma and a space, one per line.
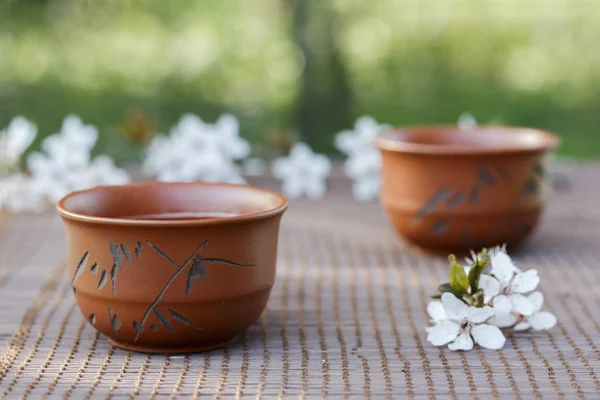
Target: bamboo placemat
(345, 318)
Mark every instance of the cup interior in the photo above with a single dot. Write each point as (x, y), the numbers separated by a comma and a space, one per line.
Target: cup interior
(452, 139)
(149, 201)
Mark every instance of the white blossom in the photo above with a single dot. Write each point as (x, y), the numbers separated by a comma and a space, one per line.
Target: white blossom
(466, 121)
(505, 296)
(72, 146)
(494, 251)
(65, 163)
(364, 161)
(19, 194)
(539, 320)
(302, 172)
(14, 140)
(506, 287)
(460, 326)
(196, 150)
(102, 172)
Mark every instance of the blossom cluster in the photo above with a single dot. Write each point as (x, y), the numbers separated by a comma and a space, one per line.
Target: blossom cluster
(486, 295)
(193, 150)
(64, 164)
(364, 160)
(198, 151)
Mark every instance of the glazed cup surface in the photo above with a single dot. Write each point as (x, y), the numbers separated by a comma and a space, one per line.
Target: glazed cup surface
(172, 285)
(447, 189)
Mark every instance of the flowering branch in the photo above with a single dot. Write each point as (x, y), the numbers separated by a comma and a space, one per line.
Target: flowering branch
(487, 294)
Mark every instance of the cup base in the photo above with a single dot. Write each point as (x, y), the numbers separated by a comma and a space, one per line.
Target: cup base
(175, 350)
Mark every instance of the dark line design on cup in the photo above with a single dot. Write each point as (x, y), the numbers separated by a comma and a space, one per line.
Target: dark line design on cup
(530, 187)
(440, 227)
(138, 328)
(120, 252)
(183, 319)
(437, 198)
(193, 259)
(486, 177)
(161, 253)
(113, 278)
(164, 320)
(125, 252)
(455, 200)
(80, 267)
(539, 170)
(115, 322)
(115, 251)
(103, 280)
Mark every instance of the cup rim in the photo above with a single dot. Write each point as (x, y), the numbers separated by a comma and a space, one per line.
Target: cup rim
(124, 221)
(545, 141)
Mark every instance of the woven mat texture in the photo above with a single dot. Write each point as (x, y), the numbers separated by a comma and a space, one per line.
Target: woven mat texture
(345, 318)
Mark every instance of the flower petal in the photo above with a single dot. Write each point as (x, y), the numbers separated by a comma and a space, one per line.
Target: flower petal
(443, 333)
(521, 304)
(466, 122)
(537, 300)
(281, 168)
(479, 315)
(435, 309)
(490, 286)
(522, 326)
(470, 260)
(347, 142)
(503, 321)
(320, 166)
(502, 305)
(292, 188)
(367, 126)
(503, 267)
(366, 189)
(462, 342)
(542, 321)
(455, 309)
(525, 282)
(19, 136)
(488, 336)
(315, 189)
(496, 250)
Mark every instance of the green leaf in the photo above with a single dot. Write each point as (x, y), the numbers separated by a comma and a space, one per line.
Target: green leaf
(482, 261)
(446, 288)
(474, 275)
(458, 278)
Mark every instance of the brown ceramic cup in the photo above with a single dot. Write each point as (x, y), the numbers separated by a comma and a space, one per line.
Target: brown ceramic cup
(172, 267)
(449, 189)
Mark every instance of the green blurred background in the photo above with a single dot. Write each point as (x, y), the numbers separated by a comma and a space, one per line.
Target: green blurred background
(301, 69)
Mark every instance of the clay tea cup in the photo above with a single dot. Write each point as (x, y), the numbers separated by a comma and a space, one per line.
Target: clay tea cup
(172, 267)
(450, 189)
